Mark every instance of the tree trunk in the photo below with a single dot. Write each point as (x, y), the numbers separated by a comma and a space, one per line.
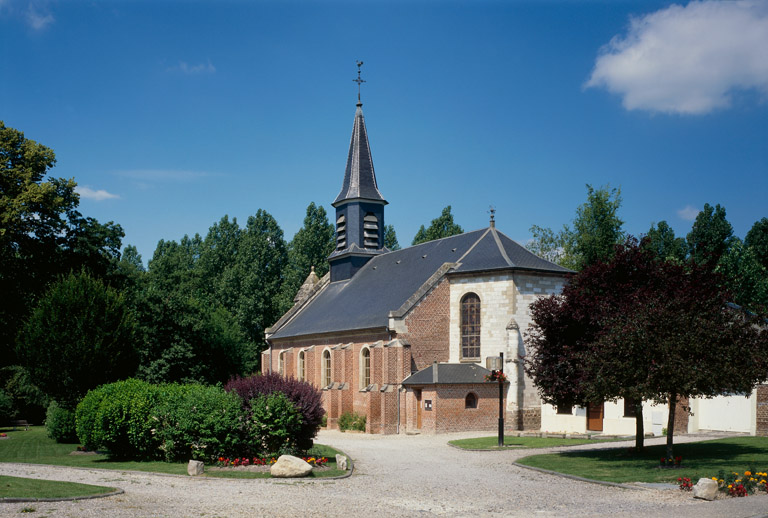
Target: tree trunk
(671, 424)
(639, 432)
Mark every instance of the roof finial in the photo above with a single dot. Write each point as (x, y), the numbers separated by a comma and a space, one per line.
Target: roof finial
(492, 211)
(359, 80)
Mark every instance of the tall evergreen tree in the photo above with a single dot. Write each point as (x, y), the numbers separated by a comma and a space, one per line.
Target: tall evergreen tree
(311, 246)
(390, 238)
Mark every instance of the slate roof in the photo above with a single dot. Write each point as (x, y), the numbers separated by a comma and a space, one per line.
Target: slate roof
(388, 281)
(448, 374)
(359, 176)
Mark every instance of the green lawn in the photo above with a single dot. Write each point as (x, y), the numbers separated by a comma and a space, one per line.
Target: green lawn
(492, 443)
(700, 459)
(35, 447)
(16, 487)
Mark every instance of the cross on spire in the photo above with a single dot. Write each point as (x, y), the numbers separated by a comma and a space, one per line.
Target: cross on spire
(359, 80)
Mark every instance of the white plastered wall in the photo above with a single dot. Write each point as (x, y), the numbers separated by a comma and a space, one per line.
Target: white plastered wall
(614, 422)
(734, 413)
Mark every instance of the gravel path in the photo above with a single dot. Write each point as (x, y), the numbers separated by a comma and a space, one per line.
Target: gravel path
(395, 476)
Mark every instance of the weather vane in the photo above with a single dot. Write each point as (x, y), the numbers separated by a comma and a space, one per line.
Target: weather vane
(492, 211)
(359, 80)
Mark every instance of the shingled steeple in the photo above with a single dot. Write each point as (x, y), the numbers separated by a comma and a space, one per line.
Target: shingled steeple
(359, 177)
(359, 205)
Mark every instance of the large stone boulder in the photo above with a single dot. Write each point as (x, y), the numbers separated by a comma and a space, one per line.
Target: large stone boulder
(705, 488)
(195, 468)
(288, 466)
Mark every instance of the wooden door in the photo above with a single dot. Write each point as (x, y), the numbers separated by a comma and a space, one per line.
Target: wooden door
(417, 392)
(595, 417)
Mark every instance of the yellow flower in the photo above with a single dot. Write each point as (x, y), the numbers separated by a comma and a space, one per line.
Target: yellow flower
(730, 486)
(747, 473)
(714, 478)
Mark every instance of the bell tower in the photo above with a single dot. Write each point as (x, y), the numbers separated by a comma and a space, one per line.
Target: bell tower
(359, 205)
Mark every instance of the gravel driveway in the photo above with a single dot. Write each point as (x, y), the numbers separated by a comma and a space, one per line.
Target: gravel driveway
(395, 476)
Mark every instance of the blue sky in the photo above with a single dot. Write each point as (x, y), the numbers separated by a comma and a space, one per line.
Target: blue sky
(170, 115)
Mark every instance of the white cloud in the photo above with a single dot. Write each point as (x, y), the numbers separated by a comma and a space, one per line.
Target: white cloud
(38, 18)
(91, 194)
(688, 213)
(687, 59)
(201, 68)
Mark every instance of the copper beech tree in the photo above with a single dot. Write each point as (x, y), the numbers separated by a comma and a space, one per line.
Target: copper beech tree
(642, 328)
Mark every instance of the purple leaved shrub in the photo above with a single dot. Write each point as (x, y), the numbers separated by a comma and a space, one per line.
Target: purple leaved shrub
(304, 396)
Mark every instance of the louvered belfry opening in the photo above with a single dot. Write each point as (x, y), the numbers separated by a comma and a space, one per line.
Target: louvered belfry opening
(341, 233)
(370, 231)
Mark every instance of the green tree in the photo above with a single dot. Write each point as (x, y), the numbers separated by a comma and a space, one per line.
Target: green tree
(80, 335)
(711, 235)
(596, 230)
(440, 227)
(662, 241)
(744, 276)
(757, 240)
(390, 238)
(636, 327)
(311, 246)
(548, 245)
(42, 235)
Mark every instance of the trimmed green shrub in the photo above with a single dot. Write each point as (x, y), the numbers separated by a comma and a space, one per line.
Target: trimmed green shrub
(303, 395)
(60, 423)
(352, 421)
(119, 417)
(199, 422)
(275, 424)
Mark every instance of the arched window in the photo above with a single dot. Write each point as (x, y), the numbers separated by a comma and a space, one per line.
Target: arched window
(470, 401)
(341, 233)
(326, 368)
(365, 367)
(370, 231)
(302, 367)
(281, 363)
(470, 327)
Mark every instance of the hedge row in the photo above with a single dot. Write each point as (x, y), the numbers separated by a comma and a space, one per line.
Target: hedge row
(137, 420)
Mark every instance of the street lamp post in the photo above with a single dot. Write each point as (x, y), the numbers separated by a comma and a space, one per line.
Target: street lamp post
(501, 401)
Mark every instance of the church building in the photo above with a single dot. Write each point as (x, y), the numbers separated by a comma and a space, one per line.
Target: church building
(402, 336)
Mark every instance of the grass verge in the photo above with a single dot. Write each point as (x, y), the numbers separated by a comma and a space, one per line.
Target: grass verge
(699, 460)
(34, 447)
(511, 441)
(17, 487)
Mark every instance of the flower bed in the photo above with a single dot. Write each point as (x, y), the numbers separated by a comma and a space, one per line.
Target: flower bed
(262, 463)
(735, 484)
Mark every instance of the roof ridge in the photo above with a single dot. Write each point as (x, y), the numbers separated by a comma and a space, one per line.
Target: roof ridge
(501, 247)
(460, 259)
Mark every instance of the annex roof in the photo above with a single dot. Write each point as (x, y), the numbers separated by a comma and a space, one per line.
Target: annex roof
(448, 374)
(389, 280)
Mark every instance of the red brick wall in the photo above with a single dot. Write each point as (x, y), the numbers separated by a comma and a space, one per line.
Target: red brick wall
(429, 327)
(448, 412)
(762, 410)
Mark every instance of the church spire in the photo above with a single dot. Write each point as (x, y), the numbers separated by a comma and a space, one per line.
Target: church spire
(359, 206)
(359, 176)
